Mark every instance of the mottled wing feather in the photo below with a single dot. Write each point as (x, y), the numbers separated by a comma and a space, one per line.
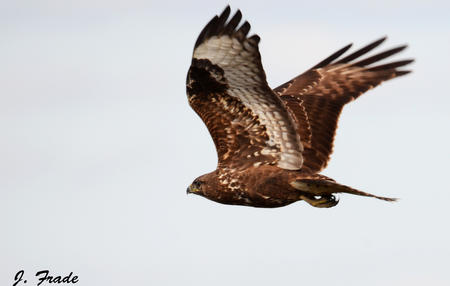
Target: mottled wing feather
(316, 97)
(227, 87)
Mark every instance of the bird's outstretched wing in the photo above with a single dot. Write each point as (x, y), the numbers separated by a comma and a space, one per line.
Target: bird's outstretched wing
(226, 86)
(316, 97)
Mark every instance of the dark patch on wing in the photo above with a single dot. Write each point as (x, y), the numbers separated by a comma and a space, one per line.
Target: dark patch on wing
(205, 77)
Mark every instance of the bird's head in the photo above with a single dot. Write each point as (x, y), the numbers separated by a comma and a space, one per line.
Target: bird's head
(204, 185)
(196, 187)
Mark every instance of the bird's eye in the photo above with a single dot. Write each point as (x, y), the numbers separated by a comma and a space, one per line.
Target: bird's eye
(197, 183)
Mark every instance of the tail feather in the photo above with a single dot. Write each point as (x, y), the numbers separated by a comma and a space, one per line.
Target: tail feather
(322, 187)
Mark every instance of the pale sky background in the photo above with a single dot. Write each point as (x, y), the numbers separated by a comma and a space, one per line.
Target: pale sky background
(98, 145)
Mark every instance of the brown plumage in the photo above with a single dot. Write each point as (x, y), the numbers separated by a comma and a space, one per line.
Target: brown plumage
(271, 144)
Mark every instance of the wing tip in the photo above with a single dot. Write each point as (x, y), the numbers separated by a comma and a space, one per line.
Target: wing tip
(204, 33)
(391, 66)
(333, 57)
(380, 56)
(224, 24)
(360, 52)
(402, 72)
(227, 9)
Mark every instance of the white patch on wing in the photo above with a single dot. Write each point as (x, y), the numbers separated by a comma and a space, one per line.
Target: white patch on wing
(241, 65)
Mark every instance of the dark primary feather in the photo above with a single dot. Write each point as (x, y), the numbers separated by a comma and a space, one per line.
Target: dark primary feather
(316, 97)
(217, 27)
(334, 56)
(361, 51)
(379, 57)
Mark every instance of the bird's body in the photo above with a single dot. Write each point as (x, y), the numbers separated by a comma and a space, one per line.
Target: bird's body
(265, 186)
(270, 187)
(272, 144)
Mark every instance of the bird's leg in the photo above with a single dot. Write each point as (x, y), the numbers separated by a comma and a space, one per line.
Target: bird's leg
(324, 201)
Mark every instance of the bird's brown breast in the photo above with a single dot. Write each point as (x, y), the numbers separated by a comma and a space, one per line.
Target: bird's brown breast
(263, 186)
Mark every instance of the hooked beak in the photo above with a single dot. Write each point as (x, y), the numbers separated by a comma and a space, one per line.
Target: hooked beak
(192, 190)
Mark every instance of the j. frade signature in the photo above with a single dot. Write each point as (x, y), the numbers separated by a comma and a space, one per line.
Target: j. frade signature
(44, 276)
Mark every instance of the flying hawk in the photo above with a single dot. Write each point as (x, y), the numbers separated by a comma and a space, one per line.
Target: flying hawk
(272, 143)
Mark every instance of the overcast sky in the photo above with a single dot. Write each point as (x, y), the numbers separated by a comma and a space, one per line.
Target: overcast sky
(98, 145)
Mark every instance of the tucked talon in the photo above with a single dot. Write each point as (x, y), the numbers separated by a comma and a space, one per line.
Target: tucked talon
(332, 201)
(325, 201)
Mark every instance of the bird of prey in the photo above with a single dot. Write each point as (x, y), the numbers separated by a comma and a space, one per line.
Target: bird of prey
(272, 143)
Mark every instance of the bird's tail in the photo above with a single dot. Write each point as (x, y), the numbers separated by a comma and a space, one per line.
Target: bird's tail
(319, 187)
